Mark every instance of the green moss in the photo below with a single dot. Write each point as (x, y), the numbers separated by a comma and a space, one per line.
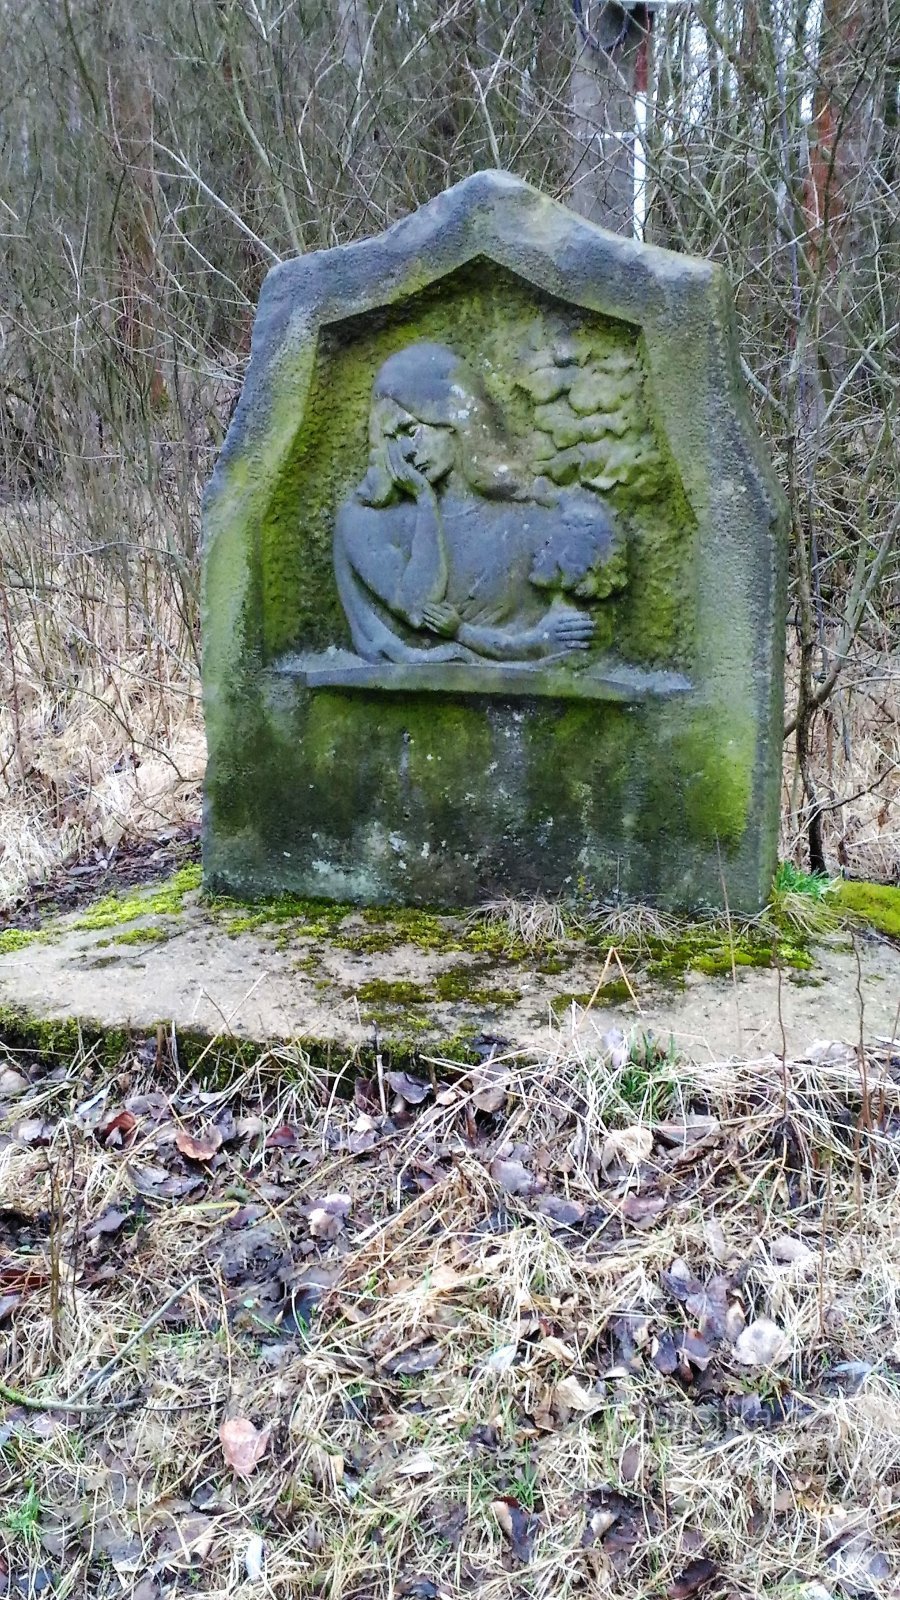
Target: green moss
(218, 1062)
(17, 939)
(166, 899)
(878, 904)
(615, 992)
(402, 1030)
(456, 983)
(379, 991)
(713, 751)
(461, 984)
(151, 935)
(309, 919)
(722, 961)
(711, 949)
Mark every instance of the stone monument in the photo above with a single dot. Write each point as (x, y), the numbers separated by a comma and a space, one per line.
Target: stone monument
(494, 574)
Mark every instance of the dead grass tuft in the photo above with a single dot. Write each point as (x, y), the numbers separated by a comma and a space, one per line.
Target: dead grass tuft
(494, 1340)
(101, 735)
(532, 922)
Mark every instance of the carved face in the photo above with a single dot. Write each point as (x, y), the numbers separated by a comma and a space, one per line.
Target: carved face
(429, 447)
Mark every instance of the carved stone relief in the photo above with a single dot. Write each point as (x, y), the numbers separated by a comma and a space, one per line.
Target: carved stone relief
(494, 574)
(452, 548)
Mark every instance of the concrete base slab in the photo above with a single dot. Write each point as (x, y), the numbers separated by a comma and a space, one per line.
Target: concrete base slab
(328, 977)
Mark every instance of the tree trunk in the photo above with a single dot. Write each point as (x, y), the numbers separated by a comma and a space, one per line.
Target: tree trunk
(611, 56)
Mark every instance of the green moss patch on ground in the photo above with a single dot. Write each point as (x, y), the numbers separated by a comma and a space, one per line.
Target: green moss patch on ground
(878, 904)
(17, 939)
(218, 1060)
(162, 900)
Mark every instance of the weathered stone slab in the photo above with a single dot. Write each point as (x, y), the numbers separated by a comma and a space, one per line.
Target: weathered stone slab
(327, 978)
(494, 574)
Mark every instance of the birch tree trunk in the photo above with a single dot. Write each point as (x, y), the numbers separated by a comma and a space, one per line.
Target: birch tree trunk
(611, 44)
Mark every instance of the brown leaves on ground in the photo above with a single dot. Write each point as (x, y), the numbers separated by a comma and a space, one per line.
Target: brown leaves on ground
(603, 1320)
(327, 1219)
(243, 1445)
(519, 1526)
(200, 1147)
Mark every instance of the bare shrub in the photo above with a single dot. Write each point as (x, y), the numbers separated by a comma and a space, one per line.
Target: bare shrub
(156, 160)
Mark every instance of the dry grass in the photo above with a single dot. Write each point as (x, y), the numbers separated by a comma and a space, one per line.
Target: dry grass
(512, 1370)
(101, 735)
(857, 769)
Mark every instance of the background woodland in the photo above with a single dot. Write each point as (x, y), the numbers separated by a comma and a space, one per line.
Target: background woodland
(157, 157)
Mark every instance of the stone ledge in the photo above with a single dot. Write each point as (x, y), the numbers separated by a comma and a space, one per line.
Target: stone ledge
(338, 982)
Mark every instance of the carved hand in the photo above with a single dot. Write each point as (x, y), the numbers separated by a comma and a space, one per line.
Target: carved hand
(442, 619)
(406, 474)
(569, 629)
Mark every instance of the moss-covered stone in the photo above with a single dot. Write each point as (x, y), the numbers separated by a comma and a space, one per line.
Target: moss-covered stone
(423, 798)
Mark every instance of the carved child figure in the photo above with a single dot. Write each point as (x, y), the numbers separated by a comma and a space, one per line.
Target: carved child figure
(449, 549)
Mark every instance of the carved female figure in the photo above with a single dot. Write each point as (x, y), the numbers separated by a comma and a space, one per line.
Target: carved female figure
(449, 550)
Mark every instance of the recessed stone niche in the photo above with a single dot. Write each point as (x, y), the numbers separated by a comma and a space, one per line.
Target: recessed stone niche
(494, 575)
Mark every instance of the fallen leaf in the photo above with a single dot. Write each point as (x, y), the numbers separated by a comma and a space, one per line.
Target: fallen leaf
(448, 1518)
(326, 1470)
(664, 1355)
(858, 1565)
(695, 1576)
(714, 1234)
(709, 1307)
(643, 1210)
(490, 1087)
(116, 1128)
(565, 1213)
(735, 1321)
(514, 1178)
(570, 1393)
(445, 1277)
(421, 1465)
(327, 1219)
(557, 1349)
(243, 1446)
(615, 1044)
(598, 1523)
(284, 1138)
(185, 1540)
(157, 1184)
(412, 1090)
(364, 1135)
(686, 1130)
(625, 1148)
(412, 1361)
(12, 1082)
(199, 1149)
(109, 1221)
(254, 1558)
(762, 1344)
(790, 1251)
(503, 1358)
(517, 1525)
(693, 1350)
(33, 1131)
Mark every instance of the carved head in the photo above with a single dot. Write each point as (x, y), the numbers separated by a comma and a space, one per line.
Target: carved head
(585, 556)
(431, 411)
